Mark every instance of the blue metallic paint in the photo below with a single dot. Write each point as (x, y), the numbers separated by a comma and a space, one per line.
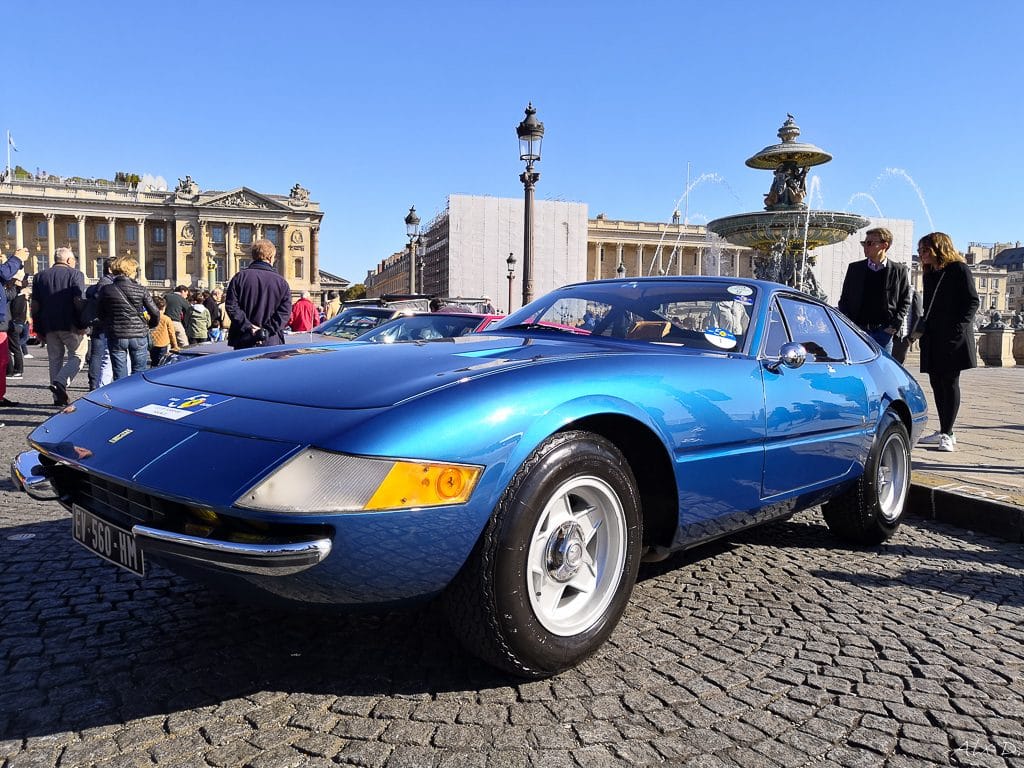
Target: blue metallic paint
(745, 443)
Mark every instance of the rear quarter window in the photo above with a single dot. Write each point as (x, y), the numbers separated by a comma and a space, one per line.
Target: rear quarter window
(858, 349)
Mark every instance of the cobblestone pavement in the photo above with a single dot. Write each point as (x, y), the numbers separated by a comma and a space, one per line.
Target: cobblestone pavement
(775, 648)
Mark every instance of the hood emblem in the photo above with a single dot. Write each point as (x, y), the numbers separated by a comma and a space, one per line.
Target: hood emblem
(120, 436)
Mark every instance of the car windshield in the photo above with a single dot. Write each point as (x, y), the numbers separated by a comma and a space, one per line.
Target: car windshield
(349, 323)
(422, 327)
(705, 314)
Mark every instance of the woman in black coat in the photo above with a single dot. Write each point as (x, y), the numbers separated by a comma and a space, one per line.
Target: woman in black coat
(126, 313)
(948, 346)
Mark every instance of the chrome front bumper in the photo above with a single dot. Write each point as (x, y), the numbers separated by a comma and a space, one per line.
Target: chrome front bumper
(279, 559)
(29, 475)
(266, 559)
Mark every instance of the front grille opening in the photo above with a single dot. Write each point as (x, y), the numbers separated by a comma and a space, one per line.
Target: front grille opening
(125, 507)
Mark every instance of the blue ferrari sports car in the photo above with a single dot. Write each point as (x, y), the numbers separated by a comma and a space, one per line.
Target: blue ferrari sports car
(521, 474)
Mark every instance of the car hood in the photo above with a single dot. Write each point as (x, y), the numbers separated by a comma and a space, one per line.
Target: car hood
(355, 375)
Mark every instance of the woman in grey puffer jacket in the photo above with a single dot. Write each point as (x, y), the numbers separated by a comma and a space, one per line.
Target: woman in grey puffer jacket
(121, 307)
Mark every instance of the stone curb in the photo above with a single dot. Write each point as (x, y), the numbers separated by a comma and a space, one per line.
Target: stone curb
(963, 510)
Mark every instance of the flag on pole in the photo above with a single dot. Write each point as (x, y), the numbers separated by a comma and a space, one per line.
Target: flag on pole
(10, 140)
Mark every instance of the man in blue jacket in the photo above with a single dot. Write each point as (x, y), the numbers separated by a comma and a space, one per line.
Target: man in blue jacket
(259, 301)
(57, 295)
(7, 270)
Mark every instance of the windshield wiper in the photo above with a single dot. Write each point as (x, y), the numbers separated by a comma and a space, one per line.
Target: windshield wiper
(544, 327)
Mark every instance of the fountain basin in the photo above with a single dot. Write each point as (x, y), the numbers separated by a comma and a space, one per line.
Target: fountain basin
(765, 231)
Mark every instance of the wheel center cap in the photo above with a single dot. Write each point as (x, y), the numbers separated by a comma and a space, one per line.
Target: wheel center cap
(565, 552)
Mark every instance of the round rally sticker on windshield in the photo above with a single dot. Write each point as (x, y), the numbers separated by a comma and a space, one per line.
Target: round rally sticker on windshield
(740, 290)
(720, 337)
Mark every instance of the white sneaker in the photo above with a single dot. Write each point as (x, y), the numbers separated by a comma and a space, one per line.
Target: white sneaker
(28, 355)
(947, 443)
(933, 439)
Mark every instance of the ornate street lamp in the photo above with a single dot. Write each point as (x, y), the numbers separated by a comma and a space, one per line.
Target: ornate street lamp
(531, 134)
(420, 260)
(620, 270)
(412, 230)
(511, 262)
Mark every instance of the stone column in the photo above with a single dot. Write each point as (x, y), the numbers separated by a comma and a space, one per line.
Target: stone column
(597, 262)
(82, 249)
(229, 252)
(283, 267)
(142, 250)
(51, 239)
(19, 235)
(111, 240)
(204, 247)
(171, 257)
(618, 258)
(314, 256)
(640, 260)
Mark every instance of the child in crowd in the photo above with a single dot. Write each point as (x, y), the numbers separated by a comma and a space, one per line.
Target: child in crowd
(163, 337)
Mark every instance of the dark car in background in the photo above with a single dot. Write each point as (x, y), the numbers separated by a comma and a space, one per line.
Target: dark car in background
(424, 326)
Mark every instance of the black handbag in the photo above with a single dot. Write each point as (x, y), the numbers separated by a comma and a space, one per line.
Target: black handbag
(921, 324)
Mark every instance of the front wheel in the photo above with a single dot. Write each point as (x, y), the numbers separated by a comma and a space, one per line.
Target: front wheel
(871, 511)
(554, 568)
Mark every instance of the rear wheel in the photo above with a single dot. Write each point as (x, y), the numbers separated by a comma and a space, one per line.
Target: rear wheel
(871, 511)
(553, 570)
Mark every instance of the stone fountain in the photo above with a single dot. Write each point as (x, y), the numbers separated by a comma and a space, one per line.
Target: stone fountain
(787, 229)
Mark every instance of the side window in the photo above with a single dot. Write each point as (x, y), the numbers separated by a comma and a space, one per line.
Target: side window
(857, 349)
(809, 324)
(776, 334)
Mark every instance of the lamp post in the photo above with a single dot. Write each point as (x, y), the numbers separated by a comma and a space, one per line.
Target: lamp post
(620, 270)
(420, 262)
(511, 261)
(531, 134)
(412, 230)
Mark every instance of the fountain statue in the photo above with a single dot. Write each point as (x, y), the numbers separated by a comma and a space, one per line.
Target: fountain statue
(787, 229)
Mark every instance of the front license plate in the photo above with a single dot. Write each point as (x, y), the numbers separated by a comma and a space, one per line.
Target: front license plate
(108, 541)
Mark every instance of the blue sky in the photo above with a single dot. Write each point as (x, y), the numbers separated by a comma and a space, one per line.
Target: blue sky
(378, 106)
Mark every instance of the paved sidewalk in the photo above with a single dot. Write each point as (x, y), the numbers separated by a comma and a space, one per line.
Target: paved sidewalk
(980, 486)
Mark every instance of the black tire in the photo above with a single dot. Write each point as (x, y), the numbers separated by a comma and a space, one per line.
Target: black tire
(871, 510)
(515, 603)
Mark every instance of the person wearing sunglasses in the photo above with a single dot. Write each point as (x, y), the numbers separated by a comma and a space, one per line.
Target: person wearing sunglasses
(876, 292)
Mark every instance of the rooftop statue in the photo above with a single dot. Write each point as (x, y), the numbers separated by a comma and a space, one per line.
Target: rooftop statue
(187, 187)
(299, 193)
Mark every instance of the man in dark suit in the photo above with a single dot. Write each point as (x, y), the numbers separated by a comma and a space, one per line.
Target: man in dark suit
(57, 294)
(876, 292)
(259, 301)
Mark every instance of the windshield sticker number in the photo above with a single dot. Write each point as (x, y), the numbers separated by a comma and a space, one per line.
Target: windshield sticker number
(720, 337)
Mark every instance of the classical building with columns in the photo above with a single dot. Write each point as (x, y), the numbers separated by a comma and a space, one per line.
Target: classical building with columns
(465, 251)
(637, 248)
(187, 237)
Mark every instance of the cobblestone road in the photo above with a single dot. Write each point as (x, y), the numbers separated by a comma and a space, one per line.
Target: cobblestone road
(777, 647)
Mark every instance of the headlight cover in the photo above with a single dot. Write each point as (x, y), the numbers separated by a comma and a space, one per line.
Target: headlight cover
(316, 482)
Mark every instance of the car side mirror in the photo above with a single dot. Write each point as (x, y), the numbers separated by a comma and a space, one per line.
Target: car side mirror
(791, 355)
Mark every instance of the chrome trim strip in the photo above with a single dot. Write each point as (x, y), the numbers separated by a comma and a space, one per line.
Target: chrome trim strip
(281, 559)
(29, 475)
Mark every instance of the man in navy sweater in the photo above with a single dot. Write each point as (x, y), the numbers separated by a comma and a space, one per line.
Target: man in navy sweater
(259, 301)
